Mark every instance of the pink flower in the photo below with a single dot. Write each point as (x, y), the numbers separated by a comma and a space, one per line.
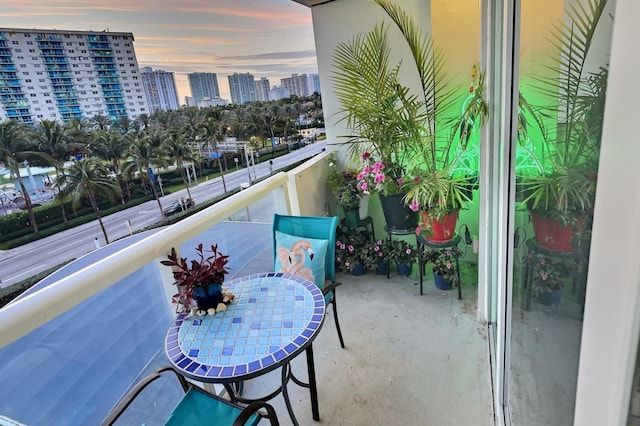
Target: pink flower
(448, 265)
(408, 251)
(365, 155)
(542, 261)
(338, 243)
(347, 264)
(361, 175)
(366, 169)
(414, 207)
(380, 254)
(342, 246)
(379, 242)
(418, 230)
(400, 181)
(379, 178)
(364, 186)
(543, 275)
(351, 249)
(376, 248)
(378, 167)
(416, 179)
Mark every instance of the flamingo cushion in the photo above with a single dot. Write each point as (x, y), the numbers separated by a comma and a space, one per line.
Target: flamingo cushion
(301, 256)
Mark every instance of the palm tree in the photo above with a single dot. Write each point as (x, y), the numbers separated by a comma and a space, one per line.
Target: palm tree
(144, 121)
(211, 132)
(272, 114)
(51, 138)
(141, 157)
(88, 178)
(101, 122)
(177, 149)
(110, 146)
(14, 149)
(78, 135)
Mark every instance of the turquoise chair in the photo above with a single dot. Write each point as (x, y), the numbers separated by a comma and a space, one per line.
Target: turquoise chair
(322, 228)
(197, 407)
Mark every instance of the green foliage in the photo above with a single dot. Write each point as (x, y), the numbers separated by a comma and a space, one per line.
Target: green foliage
(547, 274)
(344, 185)
(400, 251)
(351, 248)
(564, 184)
(399, 129)
(444, 262)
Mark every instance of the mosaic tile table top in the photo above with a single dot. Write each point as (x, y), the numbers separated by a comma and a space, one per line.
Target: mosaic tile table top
(273, 318)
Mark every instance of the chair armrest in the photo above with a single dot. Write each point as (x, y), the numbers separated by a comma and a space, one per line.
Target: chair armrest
(330, 287)
(117, 411)
(253, 408)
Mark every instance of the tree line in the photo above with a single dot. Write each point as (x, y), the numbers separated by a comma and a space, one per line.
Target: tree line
(102, 158)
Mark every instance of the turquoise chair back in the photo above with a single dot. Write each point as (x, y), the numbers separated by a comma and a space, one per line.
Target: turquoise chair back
(310, 227)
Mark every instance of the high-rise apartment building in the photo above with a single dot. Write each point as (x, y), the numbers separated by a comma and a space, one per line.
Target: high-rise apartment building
(59, 75)
(314, 84)
(160, 88)
(203, 85)
(278, 92)
(262, 89)
(243, 88)
(297, 84)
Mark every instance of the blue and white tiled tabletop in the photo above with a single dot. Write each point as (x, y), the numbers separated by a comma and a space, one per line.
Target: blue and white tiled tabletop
(273, 318)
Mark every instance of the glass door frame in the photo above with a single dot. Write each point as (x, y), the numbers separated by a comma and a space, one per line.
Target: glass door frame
(611, 328)
(499, 50)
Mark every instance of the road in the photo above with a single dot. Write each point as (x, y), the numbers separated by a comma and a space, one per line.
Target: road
(26, 261)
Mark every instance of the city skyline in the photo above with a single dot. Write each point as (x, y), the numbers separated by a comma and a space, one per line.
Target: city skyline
(267, 38)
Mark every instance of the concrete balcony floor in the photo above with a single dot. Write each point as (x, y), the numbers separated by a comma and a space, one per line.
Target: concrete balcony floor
(409, 359)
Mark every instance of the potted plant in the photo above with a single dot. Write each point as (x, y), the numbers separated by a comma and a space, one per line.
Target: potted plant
(560, 191)
(344, 186)
(445, 273)
(403, 254)
(376, 257)
(421, 138)
(350, 251)
(199, 281)
(546, 278)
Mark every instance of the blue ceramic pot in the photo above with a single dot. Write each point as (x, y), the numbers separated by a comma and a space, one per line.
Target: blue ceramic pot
(358, 269)
(208, 296)
(403, 269)
(551, 297)
(382, 268)
(441, 284)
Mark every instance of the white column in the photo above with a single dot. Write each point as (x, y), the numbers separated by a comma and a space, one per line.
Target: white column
(612, 307)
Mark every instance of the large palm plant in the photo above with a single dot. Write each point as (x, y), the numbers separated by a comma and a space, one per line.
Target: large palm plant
(416, 131)
(369, 90)
(571, 126)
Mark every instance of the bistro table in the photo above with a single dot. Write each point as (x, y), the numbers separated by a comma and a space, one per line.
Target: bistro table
(273, 318)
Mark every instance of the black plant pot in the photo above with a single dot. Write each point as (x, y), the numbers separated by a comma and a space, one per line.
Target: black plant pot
(208, 296)
(399, 218)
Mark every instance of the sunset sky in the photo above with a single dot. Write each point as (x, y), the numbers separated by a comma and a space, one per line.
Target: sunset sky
(268, 38)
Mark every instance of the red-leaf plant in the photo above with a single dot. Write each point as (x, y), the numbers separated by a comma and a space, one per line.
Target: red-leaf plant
(199, 273)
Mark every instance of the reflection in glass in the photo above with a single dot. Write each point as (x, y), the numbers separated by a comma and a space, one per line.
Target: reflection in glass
(563, 78)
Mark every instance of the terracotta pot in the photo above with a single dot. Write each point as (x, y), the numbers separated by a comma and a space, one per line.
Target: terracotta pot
(441, 230)
(552, 235)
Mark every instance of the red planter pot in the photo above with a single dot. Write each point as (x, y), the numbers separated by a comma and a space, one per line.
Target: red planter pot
(552, 235)
(441, 230)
